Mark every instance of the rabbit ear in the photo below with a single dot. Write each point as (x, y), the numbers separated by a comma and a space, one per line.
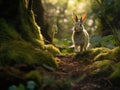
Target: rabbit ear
(83, 17)
(75, 17)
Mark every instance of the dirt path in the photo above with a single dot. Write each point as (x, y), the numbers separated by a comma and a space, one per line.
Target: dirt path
(76, 70)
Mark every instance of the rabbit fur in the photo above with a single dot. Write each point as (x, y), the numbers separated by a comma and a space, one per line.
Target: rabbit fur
(80, 36)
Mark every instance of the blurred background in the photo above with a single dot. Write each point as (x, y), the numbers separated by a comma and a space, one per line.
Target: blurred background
(102, 22)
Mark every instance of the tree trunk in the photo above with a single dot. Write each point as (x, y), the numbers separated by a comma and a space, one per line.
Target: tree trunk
(21, 41)
(39, 17)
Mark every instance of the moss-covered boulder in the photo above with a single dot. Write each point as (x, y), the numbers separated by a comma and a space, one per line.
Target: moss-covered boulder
(101, 68)
(102, 62)
(90, 54)
(113, 54)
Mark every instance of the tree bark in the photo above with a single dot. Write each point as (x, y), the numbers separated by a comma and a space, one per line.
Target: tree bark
(39, 17)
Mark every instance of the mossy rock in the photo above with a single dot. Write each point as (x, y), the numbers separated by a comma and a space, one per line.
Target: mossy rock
(21, 52)
(103, 55)
(113, 54)
(103, 67)
(90, 54)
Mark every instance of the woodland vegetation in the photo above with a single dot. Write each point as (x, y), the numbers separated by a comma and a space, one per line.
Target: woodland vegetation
(36, 50)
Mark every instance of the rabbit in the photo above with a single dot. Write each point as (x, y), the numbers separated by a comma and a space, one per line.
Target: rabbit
(80, 36)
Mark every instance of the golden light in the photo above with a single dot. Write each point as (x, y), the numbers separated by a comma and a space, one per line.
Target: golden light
(71, 2)
(81, 6)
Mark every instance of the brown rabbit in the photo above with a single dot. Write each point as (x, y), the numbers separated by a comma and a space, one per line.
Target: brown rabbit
(80, 36)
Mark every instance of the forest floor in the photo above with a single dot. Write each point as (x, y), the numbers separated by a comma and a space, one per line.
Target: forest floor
(75, 75)
(80, 75)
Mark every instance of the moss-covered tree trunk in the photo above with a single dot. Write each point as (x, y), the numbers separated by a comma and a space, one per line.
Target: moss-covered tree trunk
(39, 17)
(21, 41)
(20, 37)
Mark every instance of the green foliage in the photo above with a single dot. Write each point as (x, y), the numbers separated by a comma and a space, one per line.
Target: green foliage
(108, 41)
(62, 42)
(95, 41)
(67, 50)
(107, 11)
(102, 18)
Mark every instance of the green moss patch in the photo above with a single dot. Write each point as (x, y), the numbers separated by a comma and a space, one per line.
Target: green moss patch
(102, 56)
(20, 52)
(89, 55)
(7, 32)
(113, 54)
(116, 54)
(116, 73)
(103, 67)
(52, 49)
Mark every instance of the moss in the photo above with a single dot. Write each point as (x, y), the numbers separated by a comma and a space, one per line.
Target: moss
(52, 49)
(91, 53)
(113, 54)
(7, 32)
(66, 50)
(102, 63)
(116, 73)
(22, 52)
(102, 56)
(103, 67)
(34, 75)
(28, 29)
(21, 40)
(116, 53)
